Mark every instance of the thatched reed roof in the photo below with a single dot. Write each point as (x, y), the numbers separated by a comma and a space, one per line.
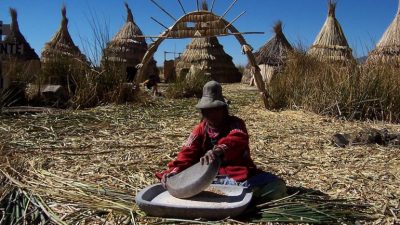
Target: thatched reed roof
(62, 45)
(128, 46)
(208, 53)
(331, 43)
(276, 50)
(16, 36)
(201, 21)
(274, 53)
(388, 48)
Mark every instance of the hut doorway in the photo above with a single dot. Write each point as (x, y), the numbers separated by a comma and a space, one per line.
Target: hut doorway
(219, 27)
(130, 74)
(183, 73)
(169, 70)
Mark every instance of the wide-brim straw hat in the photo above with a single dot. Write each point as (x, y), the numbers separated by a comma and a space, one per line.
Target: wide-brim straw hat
(212, 96)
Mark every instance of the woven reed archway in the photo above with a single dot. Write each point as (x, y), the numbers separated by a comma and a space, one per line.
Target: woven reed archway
(208, 25)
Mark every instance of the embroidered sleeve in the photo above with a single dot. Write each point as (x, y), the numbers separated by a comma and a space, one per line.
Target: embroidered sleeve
(189, 154)
(192, 137)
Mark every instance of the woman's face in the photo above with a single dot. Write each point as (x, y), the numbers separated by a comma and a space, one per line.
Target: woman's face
(215, 116)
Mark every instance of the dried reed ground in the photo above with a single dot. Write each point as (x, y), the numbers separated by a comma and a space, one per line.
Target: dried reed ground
(122, 146)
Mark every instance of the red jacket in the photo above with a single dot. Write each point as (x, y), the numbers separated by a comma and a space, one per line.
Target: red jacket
(236, 161)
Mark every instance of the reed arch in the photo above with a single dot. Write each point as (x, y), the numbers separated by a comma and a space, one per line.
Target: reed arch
(207, 24)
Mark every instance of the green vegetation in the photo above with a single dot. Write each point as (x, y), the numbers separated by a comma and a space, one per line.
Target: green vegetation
(188, 86)
(345, 91)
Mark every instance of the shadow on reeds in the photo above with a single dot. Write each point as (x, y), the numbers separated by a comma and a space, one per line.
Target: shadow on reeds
(305, 205)
(347, 91)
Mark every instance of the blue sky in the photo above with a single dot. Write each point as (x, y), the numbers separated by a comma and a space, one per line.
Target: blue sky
(363, 21)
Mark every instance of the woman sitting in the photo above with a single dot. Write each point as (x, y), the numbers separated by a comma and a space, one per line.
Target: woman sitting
(222, 135)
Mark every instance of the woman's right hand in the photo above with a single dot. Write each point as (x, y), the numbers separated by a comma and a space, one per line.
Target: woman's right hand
(211, 155)
(208, 158)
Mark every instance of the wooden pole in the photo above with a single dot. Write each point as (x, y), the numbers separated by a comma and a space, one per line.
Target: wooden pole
(162, 9)
(257, 75)
(229, 9)
(212, 5)
(183, 9)
(241, 14)
(218, 35)
(246, 49)
(158, 22)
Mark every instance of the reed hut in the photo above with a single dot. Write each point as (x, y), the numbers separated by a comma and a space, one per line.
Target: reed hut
(271, 57)
(62, 45)
(127, 48)
(22, 56)
(388, 48)
(17, 38)
(331, 43)
(207, 53)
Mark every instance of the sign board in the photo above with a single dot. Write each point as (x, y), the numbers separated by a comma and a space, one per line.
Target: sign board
(11, 49)
(5, 29)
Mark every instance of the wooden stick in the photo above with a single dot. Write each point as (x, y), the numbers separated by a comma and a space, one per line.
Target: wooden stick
(212, 5)
(183, 9)
(219, 35)
(229, 9)
(162, 9)
(159, 22)
(229, 24)
(257, 75)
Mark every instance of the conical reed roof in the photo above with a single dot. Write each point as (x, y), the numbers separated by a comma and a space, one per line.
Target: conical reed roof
(130, 31)
(388, 48)
(274, 53)
(276, 50)
(129, 46)
(16, 36)
(331, 43)
(208, 53)
(62, 45)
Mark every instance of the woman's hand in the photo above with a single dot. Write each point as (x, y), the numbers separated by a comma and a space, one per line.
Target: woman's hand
(211, 155)
(208, 158)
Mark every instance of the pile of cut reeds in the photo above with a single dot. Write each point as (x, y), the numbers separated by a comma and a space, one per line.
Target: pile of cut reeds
(88, 165)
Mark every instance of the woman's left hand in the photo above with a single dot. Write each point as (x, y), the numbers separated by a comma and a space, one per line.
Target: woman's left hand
(211, 155)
